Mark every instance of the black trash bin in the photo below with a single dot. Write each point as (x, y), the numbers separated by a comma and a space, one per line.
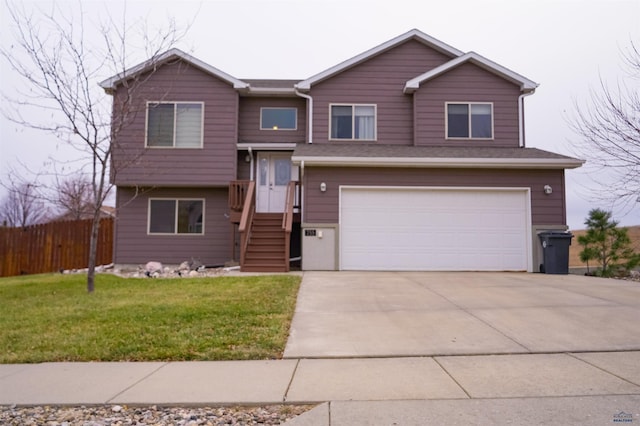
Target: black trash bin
(555, 249)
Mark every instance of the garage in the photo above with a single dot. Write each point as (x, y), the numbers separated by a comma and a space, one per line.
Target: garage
(434, 228)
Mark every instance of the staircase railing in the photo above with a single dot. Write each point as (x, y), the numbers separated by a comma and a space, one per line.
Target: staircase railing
(248, 211)
(287, 220)
(237, 194)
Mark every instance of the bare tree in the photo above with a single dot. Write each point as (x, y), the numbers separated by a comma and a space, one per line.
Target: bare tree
(74, 198)
(608, 129)
(22, 206)
(61, 72)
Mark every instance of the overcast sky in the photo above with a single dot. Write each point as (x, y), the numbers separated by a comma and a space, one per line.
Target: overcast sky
(564, 45)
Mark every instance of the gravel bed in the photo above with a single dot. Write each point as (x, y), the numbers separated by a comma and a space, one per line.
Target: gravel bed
(112, 415)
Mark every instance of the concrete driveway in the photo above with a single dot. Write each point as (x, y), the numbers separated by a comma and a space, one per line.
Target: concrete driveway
(392, 314)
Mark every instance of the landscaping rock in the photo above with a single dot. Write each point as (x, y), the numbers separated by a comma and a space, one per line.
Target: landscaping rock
(152, 267)
(184, 267)
(154, 415)
(195, 264)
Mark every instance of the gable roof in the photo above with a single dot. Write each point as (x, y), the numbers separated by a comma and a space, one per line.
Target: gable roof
(289, 87)
(413, 34)
(525, 84)
(111, 84)
(370, 155)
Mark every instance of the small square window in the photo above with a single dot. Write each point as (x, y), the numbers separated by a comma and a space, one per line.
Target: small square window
(353, 122)
(469, 121)
(174, 125)
(278, 118)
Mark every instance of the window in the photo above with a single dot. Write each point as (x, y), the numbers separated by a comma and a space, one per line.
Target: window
(174, 125)
(353, 122)
(469, 121)
(168, 216)
(278, 118)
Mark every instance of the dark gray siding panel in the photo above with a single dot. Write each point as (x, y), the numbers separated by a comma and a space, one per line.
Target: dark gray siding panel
(213, 164)
(135, 246)
(322, 207)
(379, 81)
(249, 126)
(467, 83)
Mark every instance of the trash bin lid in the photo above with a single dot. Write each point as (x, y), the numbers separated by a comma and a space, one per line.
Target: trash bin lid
(556, 234)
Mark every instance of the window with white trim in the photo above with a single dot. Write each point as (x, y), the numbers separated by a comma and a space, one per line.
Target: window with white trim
(176, 216)
(278, 118)
(353, 122)
(174, 124)
(469, 120)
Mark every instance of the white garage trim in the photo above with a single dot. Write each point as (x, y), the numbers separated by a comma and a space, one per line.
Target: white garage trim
(435, 228)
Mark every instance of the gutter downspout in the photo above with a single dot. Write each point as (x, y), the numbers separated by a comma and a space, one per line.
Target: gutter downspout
(521, 141)
(251, 177)
(302, 210)
(309, 113)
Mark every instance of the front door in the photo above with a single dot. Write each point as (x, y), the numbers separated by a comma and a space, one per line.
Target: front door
(274, 174)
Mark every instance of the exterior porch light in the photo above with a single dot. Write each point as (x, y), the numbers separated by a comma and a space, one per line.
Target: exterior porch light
(548, 190)
(323, 187)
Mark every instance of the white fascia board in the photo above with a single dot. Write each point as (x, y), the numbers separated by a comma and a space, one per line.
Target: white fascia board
(526, 85)
(437, 44)
(431, 162)
(266, 91)
(111, 83)
(266, 146)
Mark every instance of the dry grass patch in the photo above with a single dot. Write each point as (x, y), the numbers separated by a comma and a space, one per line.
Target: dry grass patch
(575, 248)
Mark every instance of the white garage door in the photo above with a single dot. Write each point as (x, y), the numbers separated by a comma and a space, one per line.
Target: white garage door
(445, 229)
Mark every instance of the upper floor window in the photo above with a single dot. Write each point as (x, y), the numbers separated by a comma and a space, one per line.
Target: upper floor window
(176, 216)
(278, 118)
(174, 124)
(353, 122)
(469, 121)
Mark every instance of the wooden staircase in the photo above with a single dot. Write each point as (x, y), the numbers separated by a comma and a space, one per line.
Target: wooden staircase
(266, 247)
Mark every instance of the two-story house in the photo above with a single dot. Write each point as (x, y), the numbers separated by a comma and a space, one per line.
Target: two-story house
(409, 156)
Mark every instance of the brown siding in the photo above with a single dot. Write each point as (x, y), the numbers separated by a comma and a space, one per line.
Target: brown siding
(467, 83)
(212, 165)
(249, 126)
(244, 167)
(134, 246)
(379, 81)
(323, 207)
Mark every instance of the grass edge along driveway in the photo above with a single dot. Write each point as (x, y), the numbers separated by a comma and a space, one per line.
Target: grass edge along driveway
(52, 318)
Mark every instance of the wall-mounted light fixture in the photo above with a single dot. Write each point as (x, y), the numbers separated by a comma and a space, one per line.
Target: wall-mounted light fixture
(548, 189)
(323, 187)
(247, 158)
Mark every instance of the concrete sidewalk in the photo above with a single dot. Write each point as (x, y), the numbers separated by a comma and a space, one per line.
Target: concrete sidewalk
(567, 388)
(405, 349)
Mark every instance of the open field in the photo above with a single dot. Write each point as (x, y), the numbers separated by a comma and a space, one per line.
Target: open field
(52, 318)
(575, 248)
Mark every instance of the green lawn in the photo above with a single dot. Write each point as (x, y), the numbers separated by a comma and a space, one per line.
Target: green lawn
(53, 318)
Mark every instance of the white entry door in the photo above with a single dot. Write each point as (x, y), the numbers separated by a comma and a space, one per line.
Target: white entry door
(274, 174)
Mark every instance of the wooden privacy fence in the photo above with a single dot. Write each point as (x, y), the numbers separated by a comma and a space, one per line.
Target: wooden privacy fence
(53, 246)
